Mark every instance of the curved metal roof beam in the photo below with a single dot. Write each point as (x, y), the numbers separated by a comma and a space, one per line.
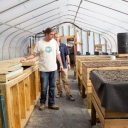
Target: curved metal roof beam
(84, 30)
(26, 45)
(21, 45)
(81, 28)
(104, 29)
(25, 21)
(98, 13)
(104, 35)
(32, 10)
(5, 41)
(16, 28)
(77, 10)
(91, 29)
(14, 6)
(47, 22)
(105, 7)
(20, 41)
(99, 28)
(42, 20)
(12, 40)
(84, 23)
(17, 44)
(36, 16)
(95, 26)
(72, 19)
(99, 20)
(66, 18)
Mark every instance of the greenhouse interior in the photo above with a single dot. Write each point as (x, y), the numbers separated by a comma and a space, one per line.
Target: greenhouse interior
(63, 64)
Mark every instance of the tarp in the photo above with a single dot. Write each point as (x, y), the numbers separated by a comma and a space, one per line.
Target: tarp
(113, 94)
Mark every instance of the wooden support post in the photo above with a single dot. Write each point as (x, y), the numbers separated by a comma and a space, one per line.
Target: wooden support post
(22, 99)
(93, 114)
(83, 91)
(27, 93)
(16, 116)
(82, 42)
(63, 30)
(58, 30)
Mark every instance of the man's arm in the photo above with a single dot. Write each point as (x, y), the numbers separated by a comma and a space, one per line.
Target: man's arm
(27, 58)
(59, 59)
(68, 61)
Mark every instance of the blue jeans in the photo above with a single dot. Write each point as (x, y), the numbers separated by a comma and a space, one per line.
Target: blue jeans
(48, 78)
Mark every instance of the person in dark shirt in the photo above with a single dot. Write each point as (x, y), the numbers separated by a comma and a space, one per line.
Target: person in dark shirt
(63, 75)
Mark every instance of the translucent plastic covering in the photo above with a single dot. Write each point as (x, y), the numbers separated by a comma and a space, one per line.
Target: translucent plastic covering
(20, 19)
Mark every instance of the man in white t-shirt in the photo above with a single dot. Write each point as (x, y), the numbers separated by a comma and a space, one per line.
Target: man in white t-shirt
(47, 49)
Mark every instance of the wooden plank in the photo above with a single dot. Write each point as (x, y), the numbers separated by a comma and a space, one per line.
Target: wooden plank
(93, 114)
(10, 75)
(78, 42)
(66, 37)
(37, 82)
(8, 70)
(8, 108)
(121, 55)
(29, 63)
(22, 99)
(98, 111)
(32, 95)
(28, 114)
(15, 107)
(14, 98)
(88, 58)
(116, 123)
(27, 93)
(108, 113)
(108, 123)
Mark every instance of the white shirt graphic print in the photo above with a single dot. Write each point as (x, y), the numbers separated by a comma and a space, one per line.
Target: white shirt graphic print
(47, 52)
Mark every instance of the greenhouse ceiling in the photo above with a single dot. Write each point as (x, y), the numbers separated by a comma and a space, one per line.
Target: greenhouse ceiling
(20, 19)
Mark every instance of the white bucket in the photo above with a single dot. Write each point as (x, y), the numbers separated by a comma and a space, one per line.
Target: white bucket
(112, 57)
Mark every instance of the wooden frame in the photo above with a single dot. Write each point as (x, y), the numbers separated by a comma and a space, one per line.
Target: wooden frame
(86, 74)
(108, 118)
(20, 95)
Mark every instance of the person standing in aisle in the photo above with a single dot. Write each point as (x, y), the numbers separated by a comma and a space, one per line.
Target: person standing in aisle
(63, 75)
(47, 49)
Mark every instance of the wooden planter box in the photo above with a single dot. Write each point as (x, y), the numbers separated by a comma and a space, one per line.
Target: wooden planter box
(95, 59)
(87, 58)
(121, 55)
(86, 68)
(20, 95)
(81, 87)
(108, 118)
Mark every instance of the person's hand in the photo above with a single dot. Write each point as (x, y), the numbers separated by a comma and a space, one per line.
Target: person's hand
(68, 66)
(23, 59)
(61, 68)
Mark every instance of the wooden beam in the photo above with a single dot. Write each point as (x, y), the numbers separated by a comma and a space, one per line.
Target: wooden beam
(69, 30)
(66, 37)
(99, 44)
(78, 42)
(63, 30)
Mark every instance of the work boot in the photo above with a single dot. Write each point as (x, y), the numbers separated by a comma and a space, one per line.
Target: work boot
(70, 97)
(54, 107)
(58, 95)
(41, 107)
